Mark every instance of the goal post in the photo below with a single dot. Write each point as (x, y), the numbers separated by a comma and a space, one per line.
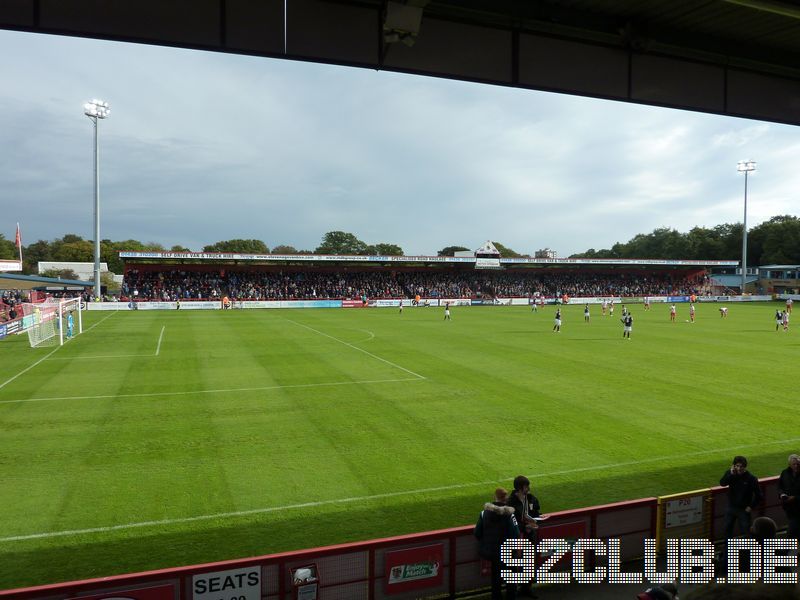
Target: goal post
(53, 321)
(70, 319)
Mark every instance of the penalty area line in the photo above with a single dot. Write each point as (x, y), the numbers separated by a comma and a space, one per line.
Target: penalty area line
(103, 356)
(44, 358)
(160, 337)
(441, 488)
(101, 320)
(220, 391)
(349, 345)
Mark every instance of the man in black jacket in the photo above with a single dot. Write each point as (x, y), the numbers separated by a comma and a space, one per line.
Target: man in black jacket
(789, 492)
(744, 494)
(496, 524)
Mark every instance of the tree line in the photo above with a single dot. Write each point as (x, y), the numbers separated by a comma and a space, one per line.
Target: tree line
(776, 241)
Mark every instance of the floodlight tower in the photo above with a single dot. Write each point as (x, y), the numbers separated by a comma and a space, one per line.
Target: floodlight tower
(96, 109)
(746, 167)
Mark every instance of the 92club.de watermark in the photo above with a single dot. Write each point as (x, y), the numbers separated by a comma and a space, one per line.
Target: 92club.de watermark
(687, 561)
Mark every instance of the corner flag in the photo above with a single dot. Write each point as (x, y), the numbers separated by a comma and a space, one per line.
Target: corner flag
(18, 243)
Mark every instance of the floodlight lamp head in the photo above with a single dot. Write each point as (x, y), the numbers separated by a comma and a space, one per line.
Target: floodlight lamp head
(746, 166)
(96, 109)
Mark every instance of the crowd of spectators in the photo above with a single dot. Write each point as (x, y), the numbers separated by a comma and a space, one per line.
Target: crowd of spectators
(170, 285)
(591, 284)
(9, 304)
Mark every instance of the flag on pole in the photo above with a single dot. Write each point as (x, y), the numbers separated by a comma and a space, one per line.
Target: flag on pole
(18, 243)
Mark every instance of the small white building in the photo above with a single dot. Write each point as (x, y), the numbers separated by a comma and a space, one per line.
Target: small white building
(84, 270)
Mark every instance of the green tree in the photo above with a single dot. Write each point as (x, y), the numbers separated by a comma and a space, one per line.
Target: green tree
(179, 248)
(506, 252)
(129, 246)
(730, 236)
(8, 249)
(60, 274)
(238, 245)
(340, 242)
(663, 242)
(386, 250)
(774, 242)
(107, 281)
(451, 250)
(81, 251)
(705, 244)
(34, 253)
(284, 249)
(590, 253)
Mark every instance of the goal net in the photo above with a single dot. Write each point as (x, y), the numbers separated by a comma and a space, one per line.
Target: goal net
(53, 321)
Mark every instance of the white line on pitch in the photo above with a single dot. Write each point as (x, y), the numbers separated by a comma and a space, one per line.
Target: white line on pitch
(388, 362)
(441, 488)
(5, 383)
(371, 335)
(25, 370)
(158, 348)
(189, 393)
(101, 320)
(104, 356)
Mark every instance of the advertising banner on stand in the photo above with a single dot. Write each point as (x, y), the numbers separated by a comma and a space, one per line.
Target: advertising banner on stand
(414, 568)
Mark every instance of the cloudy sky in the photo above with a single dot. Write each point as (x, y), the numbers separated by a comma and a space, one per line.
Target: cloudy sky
(202, 147)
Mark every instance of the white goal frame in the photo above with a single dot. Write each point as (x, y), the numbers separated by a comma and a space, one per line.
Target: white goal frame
(50, 320)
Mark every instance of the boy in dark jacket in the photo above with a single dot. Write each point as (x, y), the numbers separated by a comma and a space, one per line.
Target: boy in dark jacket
(495, 525)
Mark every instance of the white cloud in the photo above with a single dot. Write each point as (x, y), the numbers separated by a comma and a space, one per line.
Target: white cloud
(740, 137)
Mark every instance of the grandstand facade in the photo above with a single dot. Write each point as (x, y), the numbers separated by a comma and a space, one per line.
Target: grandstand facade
(166, 276)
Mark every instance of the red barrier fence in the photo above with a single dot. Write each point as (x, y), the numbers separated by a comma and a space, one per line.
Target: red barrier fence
(443, 562)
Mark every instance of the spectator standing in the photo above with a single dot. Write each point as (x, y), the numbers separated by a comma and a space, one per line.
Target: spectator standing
(744, 494)
(789, 491)
(526, 511)
(495, 525)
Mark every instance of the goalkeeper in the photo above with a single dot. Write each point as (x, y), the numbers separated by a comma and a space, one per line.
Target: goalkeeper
(70, 324)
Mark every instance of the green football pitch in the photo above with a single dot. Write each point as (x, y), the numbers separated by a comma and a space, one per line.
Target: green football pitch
(160, 439)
